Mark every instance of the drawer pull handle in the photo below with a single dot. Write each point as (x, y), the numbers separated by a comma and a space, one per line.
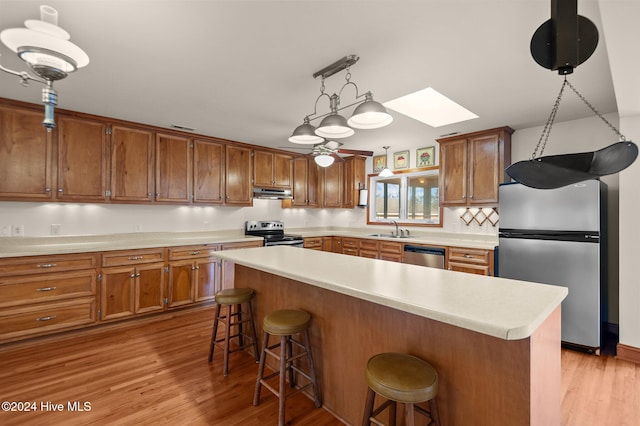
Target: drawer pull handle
(49, 318)
(135, 258)
(46, 265)
(468, 256)
(46, 289)
(193, 253)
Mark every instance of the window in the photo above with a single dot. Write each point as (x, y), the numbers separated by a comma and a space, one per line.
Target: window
(410, 198)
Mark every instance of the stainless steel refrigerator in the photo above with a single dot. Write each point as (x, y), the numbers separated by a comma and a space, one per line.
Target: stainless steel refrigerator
(558, 237)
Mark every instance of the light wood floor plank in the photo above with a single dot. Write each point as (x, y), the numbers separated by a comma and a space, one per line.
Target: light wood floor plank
(156, 372)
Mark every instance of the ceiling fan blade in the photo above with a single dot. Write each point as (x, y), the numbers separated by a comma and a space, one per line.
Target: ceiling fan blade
(356, 152)
(334, 155)
(307, 148)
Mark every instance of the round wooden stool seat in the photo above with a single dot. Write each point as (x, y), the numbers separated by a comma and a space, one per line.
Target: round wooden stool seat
(286, 322)
(233, 296)
(402, 378)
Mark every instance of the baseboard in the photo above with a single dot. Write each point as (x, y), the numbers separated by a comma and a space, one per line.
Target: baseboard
(628, 353)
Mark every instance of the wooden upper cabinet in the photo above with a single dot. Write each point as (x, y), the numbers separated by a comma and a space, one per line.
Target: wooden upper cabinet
(173, 169)
(208, 172)
(332, 186)
(131, 164)
(82, 160)
(306, 181)
(472, 166)
(355, 178)
(272, 170)
(25, 155)
(238, 185)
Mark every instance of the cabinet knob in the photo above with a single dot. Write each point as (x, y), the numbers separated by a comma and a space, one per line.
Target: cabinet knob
(60, 190)
(47, 190)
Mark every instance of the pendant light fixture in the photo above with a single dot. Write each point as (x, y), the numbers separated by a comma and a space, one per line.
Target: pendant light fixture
(368, 115)
(46, 48)
(562, 43)
(386, 172)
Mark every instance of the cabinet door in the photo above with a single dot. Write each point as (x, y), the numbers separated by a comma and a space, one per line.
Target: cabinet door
(354, 179)
(150, 285)
(206, 279)
(300, 194)
(453, 172)
(282, 171)
(484, 169)
(238, 176)
(263, 169)
(131, 164)
(25, 155)
(208, 172)
(332, 187)
(314, 181)
(181, 278)
(173, 169)
(117, 292)
(82, 160)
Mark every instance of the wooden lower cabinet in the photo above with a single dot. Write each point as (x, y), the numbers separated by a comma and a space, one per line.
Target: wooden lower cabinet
(314, 243)
(368, 248)
(390, 250)
(130, 290)
(45, 294)
(472, 261)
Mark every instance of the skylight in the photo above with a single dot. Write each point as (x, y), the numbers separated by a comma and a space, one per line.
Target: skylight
(430, 107)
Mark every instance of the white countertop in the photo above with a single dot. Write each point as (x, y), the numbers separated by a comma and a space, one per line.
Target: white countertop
(499, 307)
(34, 246)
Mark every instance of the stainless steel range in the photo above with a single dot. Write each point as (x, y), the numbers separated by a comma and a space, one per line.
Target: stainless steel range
(273, 233)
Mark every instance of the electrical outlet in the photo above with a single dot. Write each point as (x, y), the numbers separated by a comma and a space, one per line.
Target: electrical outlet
(5, 230)
(17, 230)
(137, 227)
(56, 229)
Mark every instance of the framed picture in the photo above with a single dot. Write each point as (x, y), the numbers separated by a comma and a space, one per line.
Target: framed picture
(425, 156)
(401, 160)
(379, 163)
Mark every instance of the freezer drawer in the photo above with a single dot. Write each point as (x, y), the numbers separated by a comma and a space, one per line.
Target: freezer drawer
(575, 265)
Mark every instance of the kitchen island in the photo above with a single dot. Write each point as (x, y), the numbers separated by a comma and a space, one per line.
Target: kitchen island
(494, 342)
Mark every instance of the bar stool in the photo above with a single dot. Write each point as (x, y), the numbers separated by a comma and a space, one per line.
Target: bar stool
(230, 298)
(401, 378)
(286, 323)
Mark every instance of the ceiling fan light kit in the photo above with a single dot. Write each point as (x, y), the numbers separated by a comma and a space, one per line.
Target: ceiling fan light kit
(46, 48)
(562, 43)
(368, 115)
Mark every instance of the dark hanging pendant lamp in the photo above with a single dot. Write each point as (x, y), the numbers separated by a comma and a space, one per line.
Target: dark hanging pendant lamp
(562, 43)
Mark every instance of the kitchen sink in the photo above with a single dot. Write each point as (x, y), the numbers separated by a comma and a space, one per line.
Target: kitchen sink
(389, 236)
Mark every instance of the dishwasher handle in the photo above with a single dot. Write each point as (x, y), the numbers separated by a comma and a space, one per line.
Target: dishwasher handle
(425, 250)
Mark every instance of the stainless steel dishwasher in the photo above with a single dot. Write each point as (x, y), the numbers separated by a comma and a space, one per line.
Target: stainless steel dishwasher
(424, 256)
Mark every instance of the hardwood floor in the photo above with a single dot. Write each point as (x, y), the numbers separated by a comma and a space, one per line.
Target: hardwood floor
(156, 372)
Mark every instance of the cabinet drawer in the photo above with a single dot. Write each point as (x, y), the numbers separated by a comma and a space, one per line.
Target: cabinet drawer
(350, 251)
(46, 264)
(132, 257)
(43, 318)
(350, 243)
(369, 254)
(240, 245)
(190, 252)
(391, 247)
(370, 245)
(37, 288)
(313, 243)
(474, 256)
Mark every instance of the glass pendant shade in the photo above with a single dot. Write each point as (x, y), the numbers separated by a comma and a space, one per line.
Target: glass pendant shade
(46, 48)
(334, 126)
(386, 172)
(305, 134)
(324, 160)
(370, 115)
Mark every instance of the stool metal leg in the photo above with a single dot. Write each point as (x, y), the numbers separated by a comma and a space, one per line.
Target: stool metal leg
(214, 333)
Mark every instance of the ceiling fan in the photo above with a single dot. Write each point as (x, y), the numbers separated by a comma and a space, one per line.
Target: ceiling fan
(330, 149)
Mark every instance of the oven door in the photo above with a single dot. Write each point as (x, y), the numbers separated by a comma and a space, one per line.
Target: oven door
(285, 242)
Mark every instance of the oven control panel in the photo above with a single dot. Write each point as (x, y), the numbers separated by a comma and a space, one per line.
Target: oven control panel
(264, 225)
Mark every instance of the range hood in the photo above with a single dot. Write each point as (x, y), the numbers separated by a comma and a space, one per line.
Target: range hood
(272, 194)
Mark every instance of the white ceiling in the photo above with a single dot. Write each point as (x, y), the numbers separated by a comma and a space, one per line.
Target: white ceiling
(242, 70)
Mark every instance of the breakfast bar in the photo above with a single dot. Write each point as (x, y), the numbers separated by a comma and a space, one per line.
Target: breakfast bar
(494, 342)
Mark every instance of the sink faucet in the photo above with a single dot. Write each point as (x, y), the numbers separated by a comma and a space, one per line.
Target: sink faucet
(396, 226)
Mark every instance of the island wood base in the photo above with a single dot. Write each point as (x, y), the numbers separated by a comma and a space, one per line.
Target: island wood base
(483, 380)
